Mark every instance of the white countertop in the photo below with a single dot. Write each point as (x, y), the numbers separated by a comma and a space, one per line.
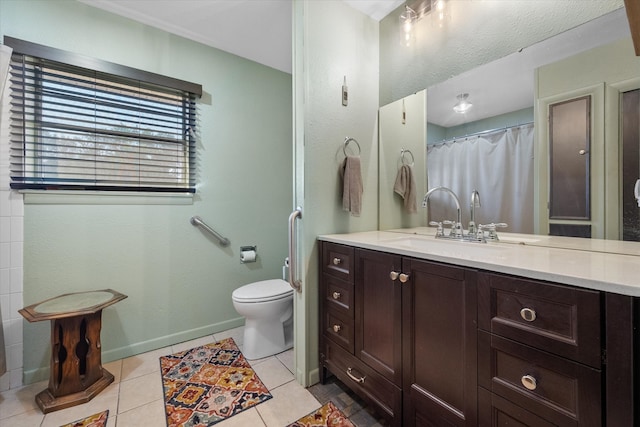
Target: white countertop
(606, 265)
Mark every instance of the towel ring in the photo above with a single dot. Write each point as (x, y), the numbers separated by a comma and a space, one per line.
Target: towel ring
(404, 159)
(347, 140)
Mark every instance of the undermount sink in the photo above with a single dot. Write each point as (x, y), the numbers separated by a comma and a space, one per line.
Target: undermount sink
(517, 239)
(443, 246)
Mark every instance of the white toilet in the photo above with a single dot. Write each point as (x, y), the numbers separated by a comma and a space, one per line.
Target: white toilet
(267, 307)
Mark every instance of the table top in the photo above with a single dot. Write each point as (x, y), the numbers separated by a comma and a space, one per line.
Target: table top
(71, 305)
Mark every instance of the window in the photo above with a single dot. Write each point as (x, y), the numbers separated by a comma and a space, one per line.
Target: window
(82, 124)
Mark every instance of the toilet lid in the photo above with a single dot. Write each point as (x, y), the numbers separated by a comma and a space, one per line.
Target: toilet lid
(266, 290)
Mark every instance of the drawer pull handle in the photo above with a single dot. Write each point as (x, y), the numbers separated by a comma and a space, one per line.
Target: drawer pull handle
(337, 328)
(529, 382)
(336, 295)
(404, 278)
(353, 377)
(337, 261)
(528, 314)
(394, 275)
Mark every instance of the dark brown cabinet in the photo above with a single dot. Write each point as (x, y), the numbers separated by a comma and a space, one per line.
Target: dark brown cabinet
(414, 329)
(361, 329)
(440, 353)
(541, 349)
(434, 344)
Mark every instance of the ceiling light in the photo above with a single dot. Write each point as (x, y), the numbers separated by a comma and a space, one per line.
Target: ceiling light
(462, 106)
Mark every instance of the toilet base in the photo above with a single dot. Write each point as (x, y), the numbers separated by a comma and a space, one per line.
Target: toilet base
(264, 339)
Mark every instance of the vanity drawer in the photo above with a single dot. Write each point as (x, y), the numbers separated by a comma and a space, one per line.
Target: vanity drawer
(365, 382)
(561, 391)
(338, 294)
(337, 260)
(339, 328)
(559, 319)
(495, 411)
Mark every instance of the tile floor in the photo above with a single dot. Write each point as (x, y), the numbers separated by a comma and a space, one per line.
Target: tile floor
(134, 399)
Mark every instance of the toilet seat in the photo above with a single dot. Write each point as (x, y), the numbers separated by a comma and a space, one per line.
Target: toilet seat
(264, 291)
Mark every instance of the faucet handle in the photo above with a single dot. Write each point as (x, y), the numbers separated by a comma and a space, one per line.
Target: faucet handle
(456, 228)
(439, 232)
(491, 228)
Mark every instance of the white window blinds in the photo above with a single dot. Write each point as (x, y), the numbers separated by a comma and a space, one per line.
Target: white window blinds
(80, 128)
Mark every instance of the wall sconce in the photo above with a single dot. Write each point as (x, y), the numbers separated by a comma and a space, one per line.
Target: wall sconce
(462, 106)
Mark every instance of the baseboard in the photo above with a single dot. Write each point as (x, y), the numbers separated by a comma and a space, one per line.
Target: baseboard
(314, 377)
(42, 373)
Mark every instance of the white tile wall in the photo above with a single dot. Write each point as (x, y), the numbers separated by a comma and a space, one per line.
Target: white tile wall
(11, 248)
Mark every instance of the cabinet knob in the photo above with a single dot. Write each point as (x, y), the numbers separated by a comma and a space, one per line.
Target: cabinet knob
(404, 277)
(528, 314)
(337, 328)
(529, 382)
(336, 295)
(353, 377)
(394, 275)
(337, 261)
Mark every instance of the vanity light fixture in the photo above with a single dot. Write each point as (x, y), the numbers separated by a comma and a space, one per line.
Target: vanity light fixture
(440, 12)
(462, 106)
(413, 12)
(407, 19)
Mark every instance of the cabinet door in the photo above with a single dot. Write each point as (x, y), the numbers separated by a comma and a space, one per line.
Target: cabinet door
(439, 345)
(378, 313)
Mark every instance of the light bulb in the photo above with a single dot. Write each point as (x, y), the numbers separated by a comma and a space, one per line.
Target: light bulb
(407, 26)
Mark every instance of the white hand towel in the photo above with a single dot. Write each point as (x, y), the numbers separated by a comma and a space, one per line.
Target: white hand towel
(405, 186)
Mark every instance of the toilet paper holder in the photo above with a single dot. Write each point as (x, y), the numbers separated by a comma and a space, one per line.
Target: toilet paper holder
(248, 254)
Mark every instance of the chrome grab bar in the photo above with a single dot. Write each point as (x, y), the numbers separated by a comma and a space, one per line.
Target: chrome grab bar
(198, 222)
(293, 250)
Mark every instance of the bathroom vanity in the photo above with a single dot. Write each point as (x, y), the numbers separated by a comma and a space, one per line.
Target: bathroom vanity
(529, 331)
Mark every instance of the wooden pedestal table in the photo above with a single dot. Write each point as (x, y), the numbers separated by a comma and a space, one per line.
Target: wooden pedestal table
(76, 372)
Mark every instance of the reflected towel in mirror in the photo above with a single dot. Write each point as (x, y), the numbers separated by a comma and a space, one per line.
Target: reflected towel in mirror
(405, 186)
(351, 185)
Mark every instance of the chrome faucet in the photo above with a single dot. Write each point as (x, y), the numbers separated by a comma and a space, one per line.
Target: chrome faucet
(456, 229)
(475, 203)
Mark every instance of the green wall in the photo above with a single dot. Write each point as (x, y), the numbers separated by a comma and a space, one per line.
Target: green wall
(338, 41)
(178, 281)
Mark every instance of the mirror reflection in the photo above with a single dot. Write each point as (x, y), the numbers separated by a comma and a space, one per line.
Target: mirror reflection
(500, 146)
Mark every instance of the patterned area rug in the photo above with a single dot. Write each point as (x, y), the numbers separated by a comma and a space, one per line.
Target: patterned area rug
(327, 416)
(95, 420)
(208, 384)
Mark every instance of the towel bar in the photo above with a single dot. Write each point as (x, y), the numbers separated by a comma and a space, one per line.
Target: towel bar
(198, 222)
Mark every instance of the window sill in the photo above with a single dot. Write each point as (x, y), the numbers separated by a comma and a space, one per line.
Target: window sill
(62, 197)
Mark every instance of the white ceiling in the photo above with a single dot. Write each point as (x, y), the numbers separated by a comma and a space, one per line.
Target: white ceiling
(256, 30)
(506, 84)
(261, 31)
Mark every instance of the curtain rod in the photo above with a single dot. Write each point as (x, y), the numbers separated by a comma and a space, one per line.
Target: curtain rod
(484, 132)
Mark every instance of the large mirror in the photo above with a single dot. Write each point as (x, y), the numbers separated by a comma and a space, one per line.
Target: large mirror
(510, 98)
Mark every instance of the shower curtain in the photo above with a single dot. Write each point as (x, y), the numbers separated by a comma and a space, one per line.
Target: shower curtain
(498, 164)
(5, 56)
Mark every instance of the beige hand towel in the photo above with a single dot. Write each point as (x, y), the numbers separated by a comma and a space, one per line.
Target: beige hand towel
(351, 185)
(405, 186)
